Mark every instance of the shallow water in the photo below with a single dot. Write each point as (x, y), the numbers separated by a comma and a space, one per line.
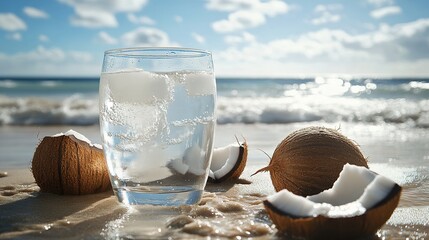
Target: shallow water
(74, 101)
(227, 210)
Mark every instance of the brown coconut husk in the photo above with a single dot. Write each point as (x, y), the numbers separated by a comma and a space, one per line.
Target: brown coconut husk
(310, 160)
(67, 165)
(322, 227)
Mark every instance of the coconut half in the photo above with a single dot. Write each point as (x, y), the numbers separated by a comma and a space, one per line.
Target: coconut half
(357, 205)
(228, 162)
(68, 163)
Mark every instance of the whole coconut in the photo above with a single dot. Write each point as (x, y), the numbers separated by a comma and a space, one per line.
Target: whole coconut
(310, 160)
(66, 164)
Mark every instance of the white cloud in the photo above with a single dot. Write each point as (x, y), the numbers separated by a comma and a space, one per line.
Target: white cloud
(272, 8)
(328, 7)
(10, 22)
(230, 5)
(326, 17)
(97, 13)
(140, 20)
(42, 54)
(411, 29)
(385, 11)
(106, 38)
(178, 19)
(245, 37)
(401, 49)
(326, 14)
(49, 62)
(51, 55)
(35, 13)
(379, 3)
(198, 38)
(146, 37)
(15, 36)
(112, 6)
(79, 56)
(90, 18)
(245, 13)
(239, 20)
(43, 38)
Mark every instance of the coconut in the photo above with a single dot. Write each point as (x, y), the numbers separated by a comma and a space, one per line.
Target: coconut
(309, 160)
(192, 162)
(70, 164)
(228, 162)
(359, 203)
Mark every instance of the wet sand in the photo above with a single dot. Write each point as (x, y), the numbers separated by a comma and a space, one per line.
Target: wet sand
(227, 210)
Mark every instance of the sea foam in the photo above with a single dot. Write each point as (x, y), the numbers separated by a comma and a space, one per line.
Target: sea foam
(40, 111)
(75, 102)
(75, 110)
(307, 109)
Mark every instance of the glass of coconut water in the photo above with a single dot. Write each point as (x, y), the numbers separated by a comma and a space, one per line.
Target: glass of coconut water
(157, 123)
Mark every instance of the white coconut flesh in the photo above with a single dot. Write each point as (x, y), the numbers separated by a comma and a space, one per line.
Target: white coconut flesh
(224, 160)
(356, 190)
(79, 136)
(191, 162)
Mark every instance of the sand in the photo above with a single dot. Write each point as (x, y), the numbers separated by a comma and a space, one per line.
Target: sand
(227, 210)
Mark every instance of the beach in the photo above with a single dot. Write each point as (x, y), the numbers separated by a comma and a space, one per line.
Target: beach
(393, 150)
(387, 118)
(141, 119)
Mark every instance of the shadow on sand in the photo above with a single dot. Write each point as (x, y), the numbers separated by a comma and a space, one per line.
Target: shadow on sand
(42, 215)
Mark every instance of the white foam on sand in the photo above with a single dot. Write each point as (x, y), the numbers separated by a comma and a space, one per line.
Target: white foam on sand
(410, 216)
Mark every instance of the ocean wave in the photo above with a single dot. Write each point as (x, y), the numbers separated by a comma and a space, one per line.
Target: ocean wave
(73, 110)
(419, 85)
(79, 110)
(328, 87)
(322, 108)
(50, 84)
(8, 83)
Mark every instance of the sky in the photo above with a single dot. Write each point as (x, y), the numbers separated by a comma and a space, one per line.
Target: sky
(248, 38)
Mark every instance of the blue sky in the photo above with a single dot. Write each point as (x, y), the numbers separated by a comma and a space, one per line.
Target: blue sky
(248, 38)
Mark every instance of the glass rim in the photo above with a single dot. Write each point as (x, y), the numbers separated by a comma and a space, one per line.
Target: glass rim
(157, 52)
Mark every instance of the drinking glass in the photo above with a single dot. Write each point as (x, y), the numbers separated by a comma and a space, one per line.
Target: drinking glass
(157, 118)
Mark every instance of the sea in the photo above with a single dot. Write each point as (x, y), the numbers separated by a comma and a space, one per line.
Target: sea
(74, 101)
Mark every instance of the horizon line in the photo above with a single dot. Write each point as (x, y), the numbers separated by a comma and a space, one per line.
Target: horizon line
(344, 77)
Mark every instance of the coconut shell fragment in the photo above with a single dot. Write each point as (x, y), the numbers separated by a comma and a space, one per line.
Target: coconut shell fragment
(64, 164)
(322, 227)
(240, 164)
(310, 159)
(236, 170)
